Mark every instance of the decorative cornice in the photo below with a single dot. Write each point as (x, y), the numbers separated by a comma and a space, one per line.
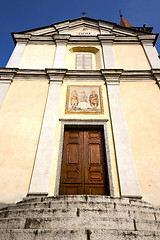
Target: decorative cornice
(126, 39)
(21, 38)
(41, 38)
(111, 75)
(81, 121)
(106, 38)
(61, 38)
(100, 38)
(156, 74)
(147, 39)
(136, 75)
(58, 75)
(83, 75)
(7, 74)
(30, 75)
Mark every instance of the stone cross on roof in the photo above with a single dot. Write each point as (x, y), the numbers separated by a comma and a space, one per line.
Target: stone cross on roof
(84, 14)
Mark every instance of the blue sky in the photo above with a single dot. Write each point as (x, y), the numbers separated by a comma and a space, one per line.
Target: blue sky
(19, 15)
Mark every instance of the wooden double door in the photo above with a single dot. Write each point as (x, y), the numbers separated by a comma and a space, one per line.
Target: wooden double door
(83, 168)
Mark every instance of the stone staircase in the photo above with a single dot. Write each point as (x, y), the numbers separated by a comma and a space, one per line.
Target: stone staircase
(79, 218)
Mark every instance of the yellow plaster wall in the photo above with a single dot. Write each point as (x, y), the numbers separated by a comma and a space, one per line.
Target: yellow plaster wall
(83, 116)
(37, 56)
(70, 56)
(141, 102)
(20, 123)
(130, 57)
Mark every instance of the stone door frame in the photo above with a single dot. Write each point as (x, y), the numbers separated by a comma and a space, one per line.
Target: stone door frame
(86, 123)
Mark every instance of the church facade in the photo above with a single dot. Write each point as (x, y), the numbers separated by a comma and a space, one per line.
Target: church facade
(80, 112)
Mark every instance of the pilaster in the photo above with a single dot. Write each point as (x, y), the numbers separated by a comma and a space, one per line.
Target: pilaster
(41, 172)
(17, 54)
(5, 81)
(151, 52)
(129, 185)
(107, 42)
(61, 43)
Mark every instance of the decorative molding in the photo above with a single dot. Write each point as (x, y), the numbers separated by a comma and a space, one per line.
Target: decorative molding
(31, 75)
(110, 34)
(56, 75)
(82, 75)
(61, 37)
(20, 37)
(156, 73)
(106, 38)
(111, 75)
(147, 39)
(7, 75)
(50, 74)
(78, 121)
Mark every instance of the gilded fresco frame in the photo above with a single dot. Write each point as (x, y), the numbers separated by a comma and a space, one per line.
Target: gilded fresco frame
(88, 110)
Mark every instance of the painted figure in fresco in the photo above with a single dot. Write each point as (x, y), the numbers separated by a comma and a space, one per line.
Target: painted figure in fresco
(74, 99)
(93, 99)
(83, 100)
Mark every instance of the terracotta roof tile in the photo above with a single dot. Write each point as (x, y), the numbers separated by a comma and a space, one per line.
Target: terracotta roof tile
(124, 22)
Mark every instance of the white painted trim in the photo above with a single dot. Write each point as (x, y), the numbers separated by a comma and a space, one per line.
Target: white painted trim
(108, 55)
(129, 185)
(59, 55)
(16, 55)
(152, 55)
(41, 172)
(3, 90)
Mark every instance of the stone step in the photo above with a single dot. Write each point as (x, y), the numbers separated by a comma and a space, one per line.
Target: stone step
(83, 212)
(123, 235)
(61, 205)
(34, 234)
(80, 218)
(68, 223)
(87, 198)
(135, 207)
(79, 223)
(12, 223)
(73, 198)
(147, 225)
(87, 234)
(43, 212)
(134, 211)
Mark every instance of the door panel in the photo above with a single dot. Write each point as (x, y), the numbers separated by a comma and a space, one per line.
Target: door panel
(71, 189)
(83, 165)
(95, 190)
(72, 152)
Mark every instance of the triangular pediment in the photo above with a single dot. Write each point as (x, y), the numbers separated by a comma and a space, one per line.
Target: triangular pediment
(84, 26)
